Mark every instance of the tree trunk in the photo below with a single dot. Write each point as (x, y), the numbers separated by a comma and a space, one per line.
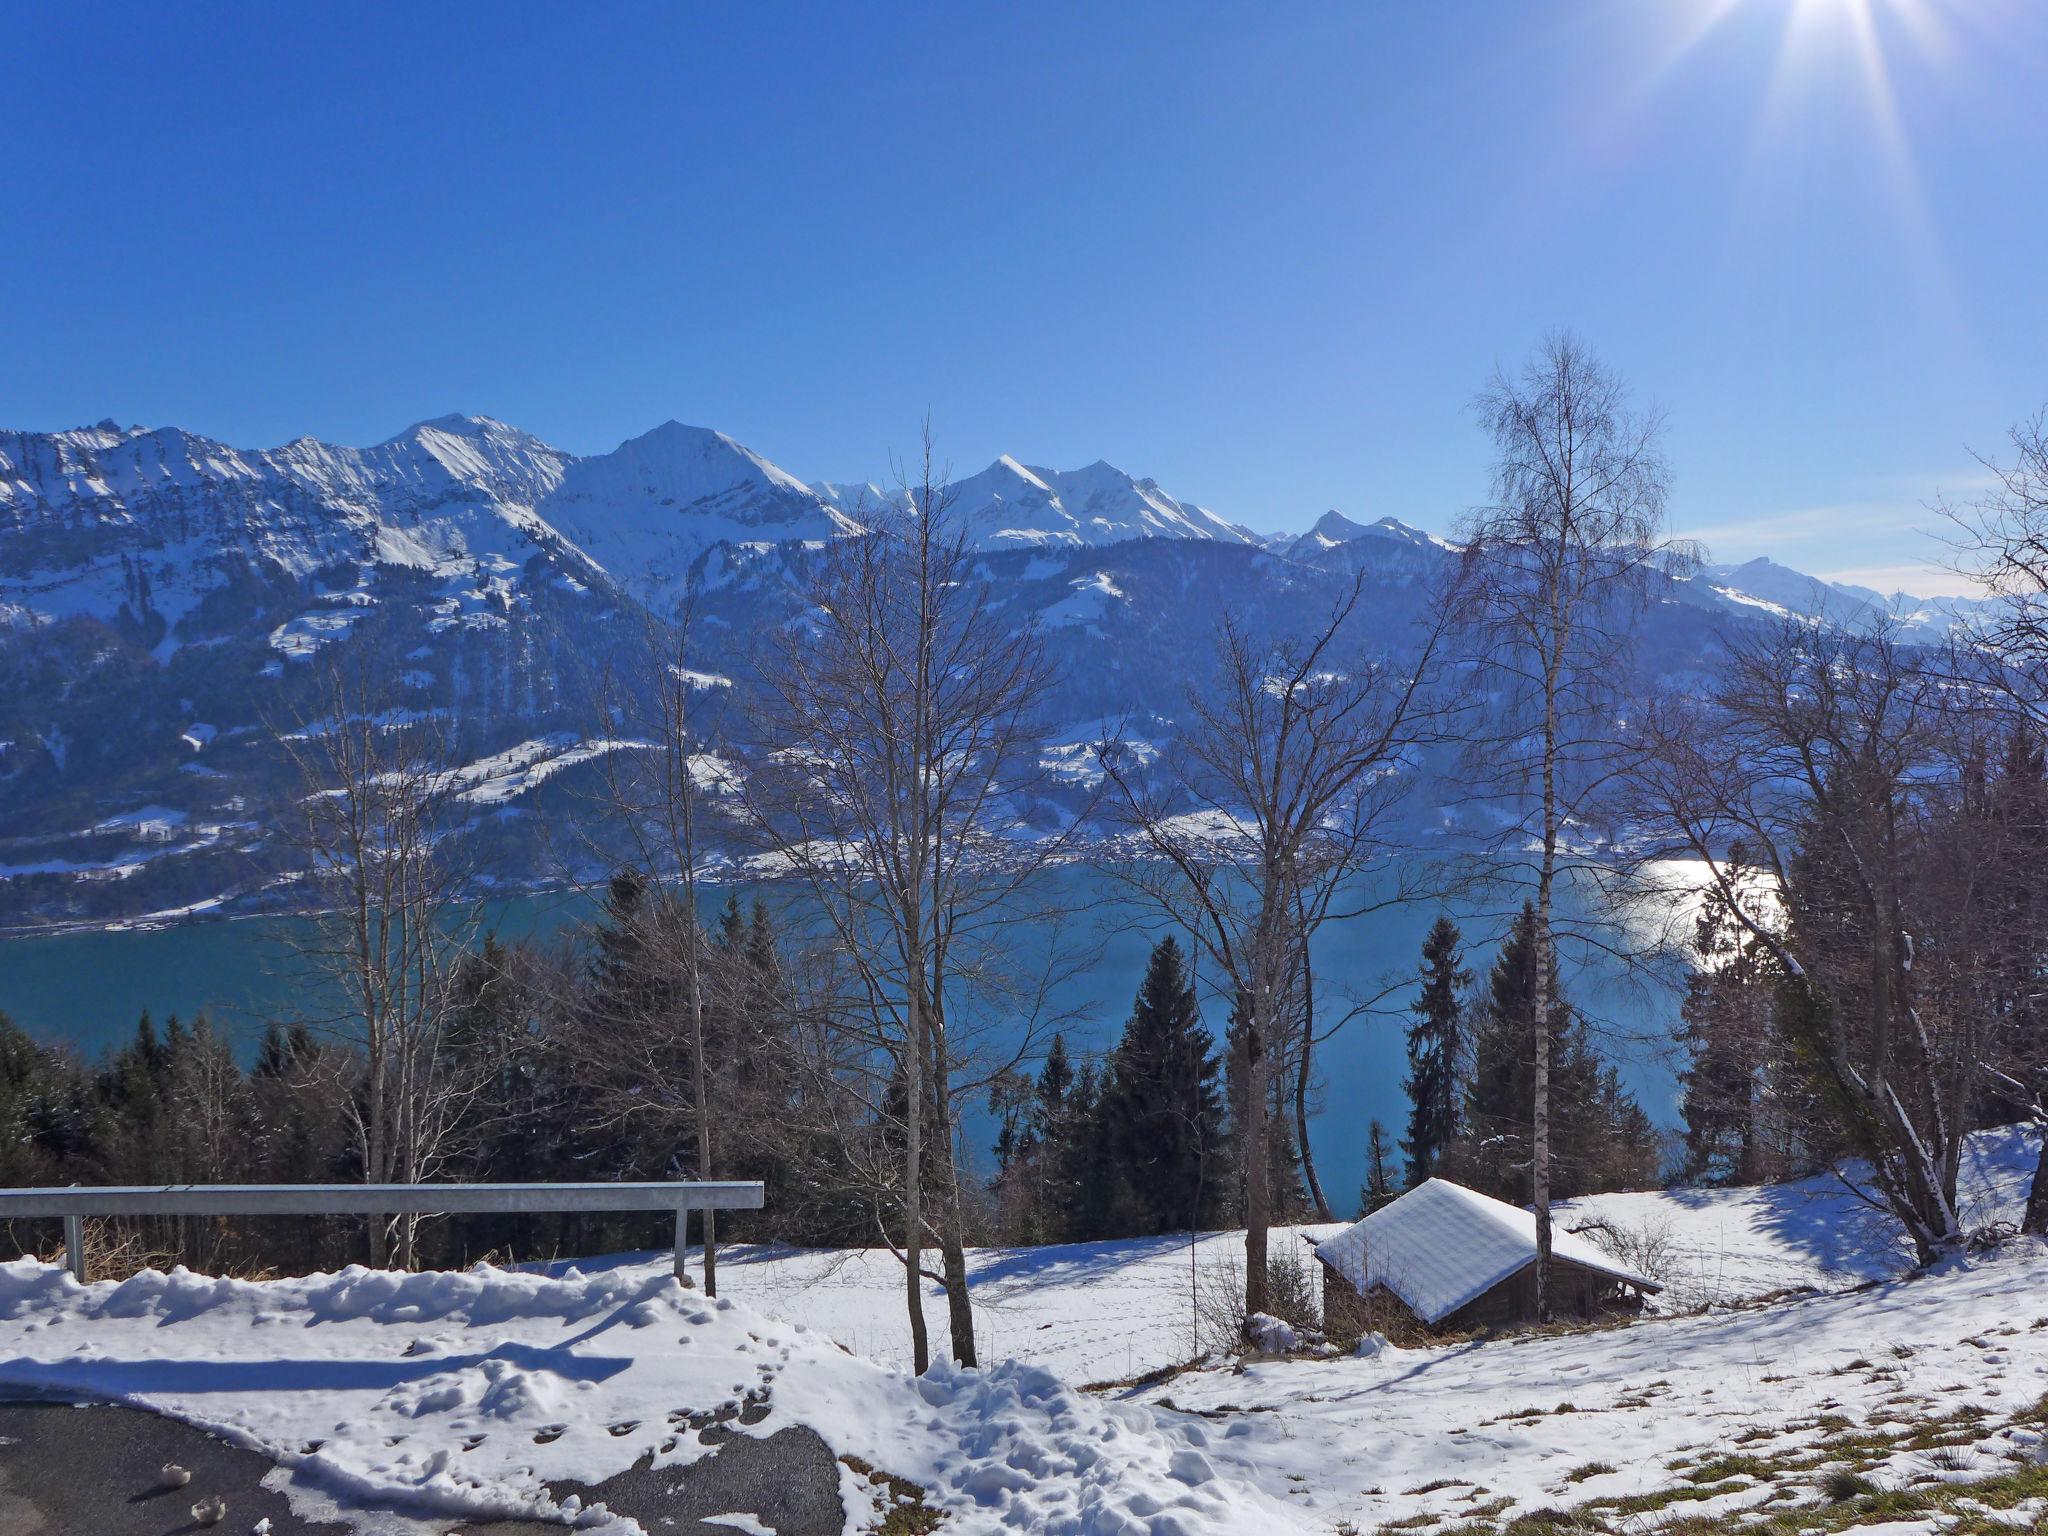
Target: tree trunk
(699, 1085)
(913, 1166)
(1539, 1128)
(1258, 1183)
(2036, 1219)
(1301, 1081)
(1539, 1120)
(959, 1304)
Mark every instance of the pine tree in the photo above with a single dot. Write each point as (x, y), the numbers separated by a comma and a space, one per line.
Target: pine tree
(1599, 1138)
(1727, 1030)
(1379, 1180)
(1162, 1106)
(1037, 1157)
(1436, 1051)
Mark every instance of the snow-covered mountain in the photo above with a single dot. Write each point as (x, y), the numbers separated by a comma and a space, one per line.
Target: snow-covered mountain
(1764, 584)
(105, 519)
(162, 596)
(646, 511)
(1334, 528)
(1011, 505)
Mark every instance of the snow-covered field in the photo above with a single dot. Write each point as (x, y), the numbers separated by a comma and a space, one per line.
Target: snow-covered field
(1625, 1413)
(465, 1393)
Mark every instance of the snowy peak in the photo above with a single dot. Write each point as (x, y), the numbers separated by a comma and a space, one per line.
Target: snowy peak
(1012, 504)
(1333, 530)
(649, 509)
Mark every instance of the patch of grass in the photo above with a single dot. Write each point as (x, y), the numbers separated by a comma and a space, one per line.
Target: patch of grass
(1722, 1468)
(1434, 1485)
(1542, 1522)
(1589, 1470)
(1844, 1484)
(908, 1515)
(1665, 1498)
(1966, 1509)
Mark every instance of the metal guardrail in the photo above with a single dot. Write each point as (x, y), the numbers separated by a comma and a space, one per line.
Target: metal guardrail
(76, 1202)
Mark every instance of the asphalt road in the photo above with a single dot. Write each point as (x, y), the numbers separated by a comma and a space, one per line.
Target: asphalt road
(96, 1470)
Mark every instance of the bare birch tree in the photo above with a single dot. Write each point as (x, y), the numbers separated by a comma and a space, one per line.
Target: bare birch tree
(1260, 823)
(378, 815)
(900, 733)
(1565, 559)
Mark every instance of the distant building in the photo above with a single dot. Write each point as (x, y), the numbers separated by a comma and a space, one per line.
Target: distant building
(1447, 1259)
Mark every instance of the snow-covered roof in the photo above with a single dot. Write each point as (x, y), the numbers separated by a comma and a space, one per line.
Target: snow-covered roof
(1442, 1246)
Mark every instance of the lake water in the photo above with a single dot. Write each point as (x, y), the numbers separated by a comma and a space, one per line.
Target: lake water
(89, 989)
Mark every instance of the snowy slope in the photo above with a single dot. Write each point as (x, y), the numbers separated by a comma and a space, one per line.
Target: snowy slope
(1765, 585)
(1509, 1427)
(465, 1393)
(1110, 1311)
(1720, 1245)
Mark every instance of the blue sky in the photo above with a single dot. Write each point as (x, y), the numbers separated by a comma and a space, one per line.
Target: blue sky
(1264, 254)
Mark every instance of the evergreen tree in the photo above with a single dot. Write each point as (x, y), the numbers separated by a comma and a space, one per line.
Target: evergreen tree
(43, 1113)
(1436, 1050)
(1162, 1106)
(1599, 1138)
(1379, 1179)
(1734, 1080)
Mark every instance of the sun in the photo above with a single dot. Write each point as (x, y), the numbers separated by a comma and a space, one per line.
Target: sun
(1842, 52)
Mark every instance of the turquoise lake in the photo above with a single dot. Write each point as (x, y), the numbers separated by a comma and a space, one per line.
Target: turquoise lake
(88, 989)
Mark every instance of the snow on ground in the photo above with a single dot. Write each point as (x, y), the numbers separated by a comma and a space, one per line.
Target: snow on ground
(1100, 1312)
(504, 776)
(1721, 1245)
(1089, 1312)
(1571, 1418)
(464, 1393)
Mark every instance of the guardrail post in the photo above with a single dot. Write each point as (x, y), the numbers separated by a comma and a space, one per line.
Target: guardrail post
(74, 1246)
(683, 1247)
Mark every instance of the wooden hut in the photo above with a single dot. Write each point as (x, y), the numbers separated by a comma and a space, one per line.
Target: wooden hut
(1447, 1259)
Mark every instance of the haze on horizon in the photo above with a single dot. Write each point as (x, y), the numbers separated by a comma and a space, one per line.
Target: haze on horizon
(1265, 262)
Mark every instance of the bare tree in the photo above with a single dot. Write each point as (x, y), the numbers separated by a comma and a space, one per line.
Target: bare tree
(378, 816)
(658, 768)
(2004, 539)
(1838, 768)
(901, 737)
(1565, 559)
(1261, 823)
(2005, 543)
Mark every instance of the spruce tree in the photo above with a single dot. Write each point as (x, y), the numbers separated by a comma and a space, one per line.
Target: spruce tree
(1379, 1179)
(1436, 1050)
(1162, 1106)
(1600, 1140)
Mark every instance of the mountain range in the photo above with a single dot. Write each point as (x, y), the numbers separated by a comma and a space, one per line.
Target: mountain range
(162, 592)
